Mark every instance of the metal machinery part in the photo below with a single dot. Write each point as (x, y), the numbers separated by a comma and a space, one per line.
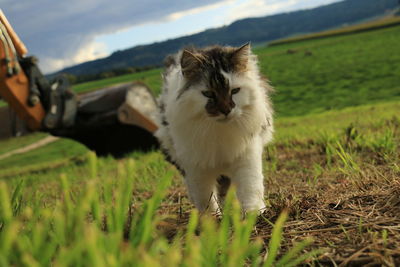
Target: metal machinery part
(114, 120)
(59, 102)
(14, 84)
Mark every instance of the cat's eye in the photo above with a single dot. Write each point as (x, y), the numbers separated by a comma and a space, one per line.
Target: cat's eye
(235, 90)
(208, 94)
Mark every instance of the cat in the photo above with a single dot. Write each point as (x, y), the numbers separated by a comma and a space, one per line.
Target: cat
(215, 117)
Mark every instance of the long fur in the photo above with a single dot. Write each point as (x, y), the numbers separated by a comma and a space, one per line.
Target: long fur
(205, 147)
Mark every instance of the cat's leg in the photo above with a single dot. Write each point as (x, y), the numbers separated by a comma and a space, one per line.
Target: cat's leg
(248, 178)
(202, 190)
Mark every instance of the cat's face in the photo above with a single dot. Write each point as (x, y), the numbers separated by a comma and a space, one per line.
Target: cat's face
(213, 81)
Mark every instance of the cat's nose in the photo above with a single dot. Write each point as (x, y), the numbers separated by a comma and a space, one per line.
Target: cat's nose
(226, 111)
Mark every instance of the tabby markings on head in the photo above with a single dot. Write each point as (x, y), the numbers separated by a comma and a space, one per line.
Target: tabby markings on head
(207, 66)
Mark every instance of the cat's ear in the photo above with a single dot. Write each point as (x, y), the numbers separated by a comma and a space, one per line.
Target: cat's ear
(240, 57)
(190, 63)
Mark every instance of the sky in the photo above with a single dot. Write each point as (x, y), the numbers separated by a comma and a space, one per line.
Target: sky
(64, 33)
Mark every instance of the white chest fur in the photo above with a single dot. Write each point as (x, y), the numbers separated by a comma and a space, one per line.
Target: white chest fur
(205, 143)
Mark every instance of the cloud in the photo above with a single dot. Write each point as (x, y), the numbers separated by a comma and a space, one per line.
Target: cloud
(256, 8)
(89, 51)
(62, 33)
(180, 14)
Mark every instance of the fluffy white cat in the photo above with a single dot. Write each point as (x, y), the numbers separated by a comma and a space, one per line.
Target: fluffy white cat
(215, 118)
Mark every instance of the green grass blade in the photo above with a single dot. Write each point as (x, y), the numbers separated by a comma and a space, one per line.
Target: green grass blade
(5, 205)
(276, 238)
(17, 197)
(293, 252)
(304, 257)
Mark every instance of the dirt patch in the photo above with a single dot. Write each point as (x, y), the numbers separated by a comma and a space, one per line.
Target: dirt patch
(353, 217)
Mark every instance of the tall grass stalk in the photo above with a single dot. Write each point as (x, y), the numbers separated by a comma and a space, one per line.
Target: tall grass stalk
(350, 166)
(99, 223)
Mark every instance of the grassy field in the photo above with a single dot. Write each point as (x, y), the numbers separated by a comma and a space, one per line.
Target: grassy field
(151, 77)
(11, 144)
(60, 153)
(334, 73)
(334, 173)
(367, 26)
(332, 179)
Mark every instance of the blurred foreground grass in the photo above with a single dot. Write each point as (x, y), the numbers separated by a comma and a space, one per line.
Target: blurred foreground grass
(102, 222)
(112, 212)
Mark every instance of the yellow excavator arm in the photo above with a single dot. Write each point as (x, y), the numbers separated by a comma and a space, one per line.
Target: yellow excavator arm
(14, 84)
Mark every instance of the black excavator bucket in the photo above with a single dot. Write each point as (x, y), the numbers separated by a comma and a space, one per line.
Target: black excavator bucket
(115, 120)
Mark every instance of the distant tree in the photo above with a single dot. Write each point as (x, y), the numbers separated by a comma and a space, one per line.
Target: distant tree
(72, 79)
(107, 74)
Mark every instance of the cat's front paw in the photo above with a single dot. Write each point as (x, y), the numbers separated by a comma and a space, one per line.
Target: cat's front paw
(258, 208)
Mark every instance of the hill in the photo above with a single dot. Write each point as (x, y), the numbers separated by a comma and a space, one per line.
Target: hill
(256, 30)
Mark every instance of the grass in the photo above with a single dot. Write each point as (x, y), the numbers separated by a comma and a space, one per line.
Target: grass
(102, 223)
(367, 26)
(328, 124)
(53, 155)
(340, 72)
(14, 143)
(332, 180)
(140, 204)
(151, 78)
